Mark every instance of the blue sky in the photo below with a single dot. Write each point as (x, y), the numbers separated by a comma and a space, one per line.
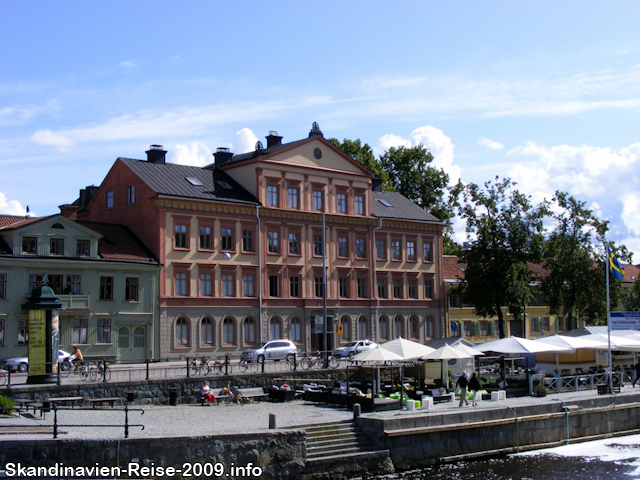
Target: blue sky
(545, 92)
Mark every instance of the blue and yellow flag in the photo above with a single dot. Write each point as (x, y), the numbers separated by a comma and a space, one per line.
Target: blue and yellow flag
(614, 266)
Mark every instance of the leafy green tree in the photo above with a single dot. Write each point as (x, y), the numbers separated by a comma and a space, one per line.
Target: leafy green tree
(508, 232)
(364, 155)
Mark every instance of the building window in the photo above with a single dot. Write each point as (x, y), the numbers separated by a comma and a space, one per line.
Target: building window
(467, 329)
(83, 248)
(296, 330)
(1, 333)
(56, 246)
(483, 328)
(247, 241)
(247, 286)
(131, 293)
(227, 239)
(206, 285)
(559, 324)
(341, 203)
(72, 286)
(545, 324)
(411, 250)
(397, 288)
(3, 286)
(272, 195)
(275, 329)
(106, 288)
(181, 284)
(317, 245)
(103, 333)
(318, 197)
(34, 281)
(344, 323)
(413, 327)
(294, 244)
(228, 331)
(182, 332)
(294, 286)
(272, 237)
(343, 283)
(535, 324)
(411, 289)
(395, 250)
(427, 251)
(343, 250)
(319, 287)
(382, 288)
(361, 248)
(206, 332)
(79, 331)
(363, 332)
(249, 331)
(362, 287)
(29, 244)
(180, 236)
(274, 286)
(397, 327)
(429, 326)
(131, 194)
(109, 199)
(56, 283)
(428, 288)
(205, 238)
(227, 285)
(23, 332)
(293, 197)
(359, 202)
(383, 328)
(381, 249)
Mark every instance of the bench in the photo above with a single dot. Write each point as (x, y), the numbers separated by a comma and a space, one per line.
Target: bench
(56, 400)
(217, 393)
(110, 400)
(256, 392)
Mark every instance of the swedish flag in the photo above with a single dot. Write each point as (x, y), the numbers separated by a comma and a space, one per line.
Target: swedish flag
(614, 266)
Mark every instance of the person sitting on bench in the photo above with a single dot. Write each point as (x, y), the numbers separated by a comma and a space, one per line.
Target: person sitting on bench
(205, 391)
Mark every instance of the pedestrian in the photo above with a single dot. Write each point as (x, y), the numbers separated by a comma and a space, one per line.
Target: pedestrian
(637, 373)
(474, 386)
(205, 392)
(76, 357)
(463, 383)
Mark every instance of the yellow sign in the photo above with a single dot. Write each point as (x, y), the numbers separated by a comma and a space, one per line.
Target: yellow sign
(37, 342)
(340, 330)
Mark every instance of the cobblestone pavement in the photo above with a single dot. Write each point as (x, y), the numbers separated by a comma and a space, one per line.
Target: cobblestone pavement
(189, 420)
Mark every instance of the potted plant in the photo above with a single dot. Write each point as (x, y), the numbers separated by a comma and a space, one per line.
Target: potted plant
(541, 390)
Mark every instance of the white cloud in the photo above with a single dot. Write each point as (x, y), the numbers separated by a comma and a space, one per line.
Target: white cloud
(245, 141)
(12, 207)
(631, 211)
(391, 140)
(127, 64)
(196, 155)
(490, 144)
(48, 138)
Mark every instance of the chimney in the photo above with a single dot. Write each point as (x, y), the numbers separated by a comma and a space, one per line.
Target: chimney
(273, 139)
(376, 184)
(315, 130)
(222, 155)
(156, 154)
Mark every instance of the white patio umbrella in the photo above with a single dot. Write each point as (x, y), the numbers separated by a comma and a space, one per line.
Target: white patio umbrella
(626, 344)
(446, 352)
(407, 349)
(378, 355)
(520, 345)
(471, 351)
(575, 343)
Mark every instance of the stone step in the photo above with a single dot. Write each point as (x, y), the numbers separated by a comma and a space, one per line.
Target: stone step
(319, 438)
(361, 456)
(359, 438)
(331, 451)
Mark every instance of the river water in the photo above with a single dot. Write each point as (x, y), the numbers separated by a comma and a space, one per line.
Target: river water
(610, 459)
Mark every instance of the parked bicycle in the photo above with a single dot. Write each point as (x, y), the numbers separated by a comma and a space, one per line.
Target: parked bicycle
(318, 361)
(200, 366)
(250, 366)
(67, 367)
(100, 371)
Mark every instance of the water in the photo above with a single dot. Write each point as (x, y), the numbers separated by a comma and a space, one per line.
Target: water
(610, 459)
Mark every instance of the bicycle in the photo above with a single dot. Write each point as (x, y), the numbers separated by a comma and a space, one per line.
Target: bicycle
(202, 368)
(67, 367)
(100, 371)
(217, 367)
(233, 395)
(245, 365)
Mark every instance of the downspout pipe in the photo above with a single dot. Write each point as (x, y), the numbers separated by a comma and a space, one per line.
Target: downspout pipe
(374, 256)
(259, 246)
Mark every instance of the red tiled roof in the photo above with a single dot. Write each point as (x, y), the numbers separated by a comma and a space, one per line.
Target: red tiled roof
(13, 221)
(451, 269)
(119, 243)
(631, 273)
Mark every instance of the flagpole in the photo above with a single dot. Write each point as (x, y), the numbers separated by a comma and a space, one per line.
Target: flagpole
(609, 362)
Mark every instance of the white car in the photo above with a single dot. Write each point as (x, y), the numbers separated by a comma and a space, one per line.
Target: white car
(21, 364)
(272, 350)
(353, 348)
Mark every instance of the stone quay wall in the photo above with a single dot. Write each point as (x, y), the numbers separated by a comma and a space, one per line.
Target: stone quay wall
(424, 440)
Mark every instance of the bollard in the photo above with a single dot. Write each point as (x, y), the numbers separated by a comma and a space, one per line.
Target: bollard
(356, 411)
(173, 397)
(272, 421)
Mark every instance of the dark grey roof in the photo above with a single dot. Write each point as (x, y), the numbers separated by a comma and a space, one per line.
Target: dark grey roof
(170, 179)
(400, 207)
(265, 151)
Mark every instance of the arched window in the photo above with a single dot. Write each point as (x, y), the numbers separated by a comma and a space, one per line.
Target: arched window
(206, 332)
(249, 331)
(138, 337)
(413, 327)
(383, 328)
(429, 326)
(398, 330)
(229, 331)
(182, 332)
(296, 330)
(58, 225)
(363, 331)
(275, 329)
(344, 322)
(123, 337)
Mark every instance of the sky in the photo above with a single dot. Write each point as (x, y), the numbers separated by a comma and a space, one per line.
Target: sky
(546, 93)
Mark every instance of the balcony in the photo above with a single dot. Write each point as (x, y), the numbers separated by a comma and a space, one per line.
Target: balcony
(75, 303)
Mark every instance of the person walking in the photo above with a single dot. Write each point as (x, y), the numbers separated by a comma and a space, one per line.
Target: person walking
(463, 383)
(637, 374)
(474, 386)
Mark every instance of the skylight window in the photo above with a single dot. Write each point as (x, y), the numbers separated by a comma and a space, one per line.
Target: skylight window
(194, 181)
(385, 203)
(224, 184)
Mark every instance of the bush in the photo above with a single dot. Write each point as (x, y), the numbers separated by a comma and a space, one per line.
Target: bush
(6, 405)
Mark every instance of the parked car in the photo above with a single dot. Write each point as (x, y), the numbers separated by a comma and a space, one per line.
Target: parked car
(271, 350)
(352, 348)
(21, 364)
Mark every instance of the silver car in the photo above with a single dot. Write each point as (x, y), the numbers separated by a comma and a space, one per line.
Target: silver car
(271, 350)
(352, 348)
(21, 364)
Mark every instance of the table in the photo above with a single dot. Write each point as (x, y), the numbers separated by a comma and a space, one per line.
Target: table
(54, 400)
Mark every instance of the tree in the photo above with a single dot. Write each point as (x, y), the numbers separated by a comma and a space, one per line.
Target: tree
(364, 155)
(508, 232)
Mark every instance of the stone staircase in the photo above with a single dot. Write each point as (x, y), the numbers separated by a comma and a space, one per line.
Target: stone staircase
(345, 447)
